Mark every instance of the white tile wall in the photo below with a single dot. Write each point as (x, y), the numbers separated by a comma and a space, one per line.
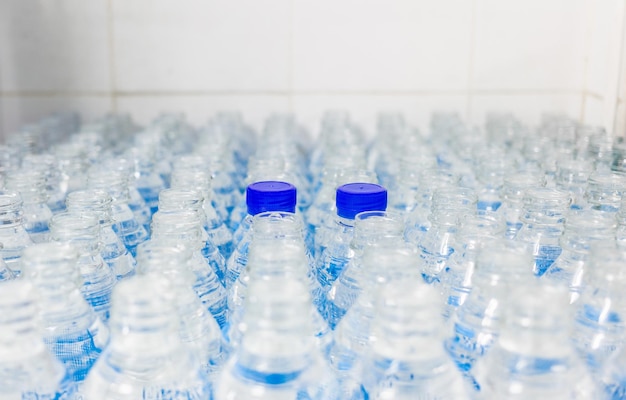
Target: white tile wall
(54, 45)
(200, 56)
(381, 45)
(529, 45)
(201, 45)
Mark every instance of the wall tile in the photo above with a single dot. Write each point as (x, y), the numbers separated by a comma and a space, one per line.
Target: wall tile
(594, 111)
(19, 110)
(195, 45)
(396, 45)
(364, 109)
(528, 108)
(530, 45)
(54, 45)
(199, 109)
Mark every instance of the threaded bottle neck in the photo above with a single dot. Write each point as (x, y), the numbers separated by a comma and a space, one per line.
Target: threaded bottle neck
(11, 213)
(95, 201)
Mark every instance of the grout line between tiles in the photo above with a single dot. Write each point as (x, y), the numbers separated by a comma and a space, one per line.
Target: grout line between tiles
(112, 58)
(470, 70)
(193, 93)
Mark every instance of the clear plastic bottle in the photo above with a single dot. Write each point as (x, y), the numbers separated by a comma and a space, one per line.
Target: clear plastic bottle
(449, 205)
(325, 213)
(417, 222)
(273, 231)
(125, 225)
(407, 360)
(572, 175)
(500, 266)
(353, 335)
(13, 236)
(533, 358)
(371, 228)
(29, 371)
(113, 251)
(583, 228)
(604, 191)
(543, 217)
(188, 199)
(185, 228)
(475, 232)
(72, 330)
(514, 187)
(260, 197)
(351, 199)
(193, 172)
(278, 358)
(599, 329)
(31, 185)
(613, 378)
(198, 329)
(136, 202)
(83, 232)
(145, 358)
(49, 165)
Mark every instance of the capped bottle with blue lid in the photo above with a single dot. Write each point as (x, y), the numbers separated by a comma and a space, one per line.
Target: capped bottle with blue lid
(352, 199)
(261, 197)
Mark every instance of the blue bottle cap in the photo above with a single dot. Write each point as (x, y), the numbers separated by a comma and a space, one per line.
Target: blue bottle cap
(270, 196)
(353, 198)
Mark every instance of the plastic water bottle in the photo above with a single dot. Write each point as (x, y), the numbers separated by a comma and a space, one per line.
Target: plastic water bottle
(543, 218)
(572, 176)
(448, 206)
(353, 335)
(198, 330)
(113, 251)
(13, 236)
(145, 359)
(599, 329)
(136, 203)
(583, 228)
(72, 166)
(513, 190)
(491, 165)
(474, 233)
(185, 228)
(533, 358)
(499, 267)
(72, 330)
(407, 359)
(272, 231)
(125, 225)
(371, 228)
(194, 170)
(29, 371)
(149, 183)
(351, 199)
(83, 232)
(31, 184)
(605, 190)
(49, 165)
(173, 200)
(417, 222)
(325, 213)
(278, 358)
(612, 382)
(216, 232)
(260, 197)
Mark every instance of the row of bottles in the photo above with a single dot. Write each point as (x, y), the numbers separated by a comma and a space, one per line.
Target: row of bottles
(179, 263)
